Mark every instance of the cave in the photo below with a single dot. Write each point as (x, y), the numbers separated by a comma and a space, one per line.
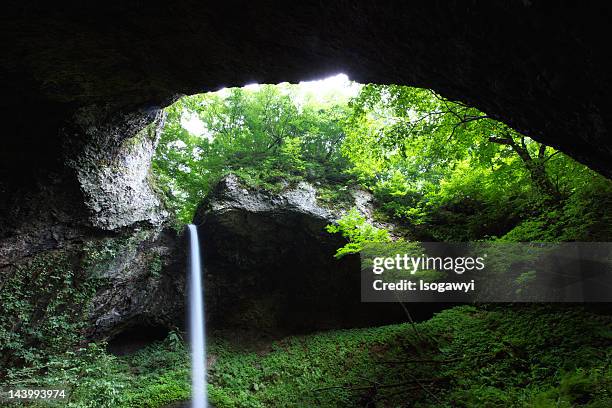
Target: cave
(270, 266)
(290, 281)
(541, 68)
(84, 88)
(135, 338)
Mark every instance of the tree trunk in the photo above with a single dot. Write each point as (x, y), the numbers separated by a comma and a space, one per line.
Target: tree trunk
(535, 167)
(538, 175)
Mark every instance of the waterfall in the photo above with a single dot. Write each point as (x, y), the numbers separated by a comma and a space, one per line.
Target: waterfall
(197, 324)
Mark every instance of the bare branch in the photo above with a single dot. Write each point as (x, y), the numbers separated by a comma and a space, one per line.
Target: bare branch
(542, 151)
(551, 156)
(501, 140)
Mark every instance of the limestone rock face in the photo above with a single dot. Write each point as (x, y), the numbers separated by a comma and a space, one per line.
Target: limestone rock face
(100, 204)
(270, 263)
(231, 195)
(144, 285)
(113, 170)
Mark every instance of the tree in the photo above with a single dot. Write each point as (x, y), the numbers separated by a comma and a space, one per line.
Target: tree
(416, 119)
(534, 164)
(268, 136)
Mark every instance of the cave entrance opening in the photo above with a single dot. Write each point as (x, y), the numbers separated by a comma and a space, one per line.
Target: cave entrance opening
(135, 338)
(415, 151)
(379, 161)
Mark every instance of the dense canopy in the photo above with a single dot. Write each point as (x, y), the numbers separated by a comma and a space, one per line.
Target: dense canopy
(441, 168)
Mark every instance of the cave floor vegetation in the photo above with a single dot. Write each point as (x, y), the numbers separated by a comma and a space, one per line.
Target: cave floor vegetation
(466, 356)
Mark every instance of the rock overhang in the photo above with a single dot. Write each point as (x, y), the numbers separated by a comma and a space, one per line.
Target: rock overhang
(269, 261)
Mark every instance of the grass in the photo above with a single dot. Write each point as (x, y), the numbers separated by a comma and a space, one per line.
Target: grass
(501, 356)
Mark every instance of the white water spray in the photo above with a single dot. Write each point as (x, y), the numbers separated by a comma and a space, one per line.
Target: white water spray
(197, 323)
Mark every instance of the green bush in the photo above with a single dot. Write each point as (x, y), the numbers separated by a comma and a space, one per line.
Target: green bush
(43, 301)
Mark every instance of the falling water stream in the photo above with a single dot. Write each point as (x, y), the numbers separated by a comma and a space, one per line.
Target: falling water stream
(197, 323)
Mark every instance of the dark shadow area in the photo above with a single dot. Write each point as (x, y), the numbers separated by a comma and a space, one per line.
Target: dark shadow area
(276, 272)
(135, 338)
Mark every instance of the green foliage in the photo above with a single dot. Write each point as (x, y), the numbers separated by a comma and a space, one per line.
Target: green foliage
(155, 265)
(336, 196)
(454, 174)
(584, 216)
(358, 231)
(269, 137)
(43, 301)
(580, 387)
(532, 346)
(153, 377)
(506, 356)
(99, 255)
(443, 169)
(174, 339)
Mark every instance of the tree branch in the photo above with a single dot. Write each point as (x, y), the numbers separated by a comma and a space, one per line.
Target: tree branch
(501, 140)
(541, 151)
(551, 156)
